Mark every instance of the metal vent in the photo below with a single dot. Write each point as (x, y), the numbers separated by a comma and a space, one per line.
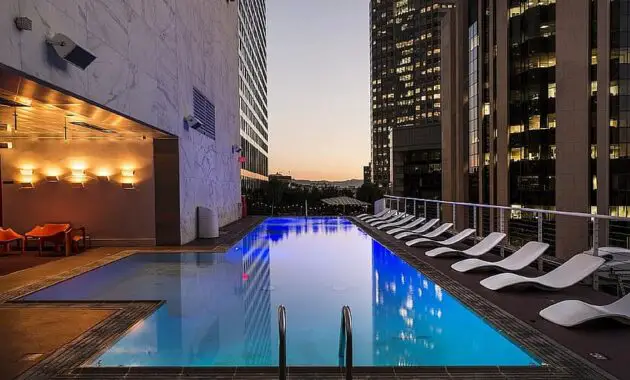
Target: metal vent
(203, 110)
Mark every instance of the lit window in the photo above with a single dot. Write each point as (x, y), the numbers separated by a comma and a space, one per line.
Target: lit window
(551, 90)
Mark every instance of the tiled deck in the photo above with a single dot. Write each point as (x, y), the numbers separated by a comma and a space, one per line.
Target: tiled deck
(540, 337)
(43, 328)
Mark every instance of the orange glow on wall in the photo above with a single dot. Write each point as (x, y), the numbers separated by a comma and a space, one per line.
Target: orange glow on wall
(78, 165)
(53, 172)
(78, 176)
(103, 172)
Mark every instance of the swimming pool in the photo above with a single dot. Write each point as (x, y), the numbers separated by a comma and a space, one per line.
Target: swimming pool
(220, 308)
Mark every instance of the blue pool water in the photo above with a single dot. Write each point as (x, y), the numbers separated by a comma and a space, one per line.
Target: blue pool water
(220, 309)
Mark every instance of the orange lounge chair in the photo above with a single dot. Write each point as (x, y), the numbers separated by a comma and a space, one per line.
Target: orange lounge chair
(8, 236)
(58, 234)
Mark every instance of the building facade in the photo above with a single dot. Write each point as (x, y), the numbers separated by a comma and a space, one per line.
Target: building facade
(107, 145)
(406, 105)
(252, 68)
(367, 174)
(535, 96)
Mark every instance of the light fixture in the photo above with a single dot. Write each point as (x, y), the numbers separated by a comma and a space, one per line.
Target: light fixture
(77, 185)
(127, 181)
(70, 51)
(78, 177)
(6, 145)
(103, 174)
(92, 127)
(26, 172)
(78, 173)
(128, 172)
(52, 178)
(27, 185)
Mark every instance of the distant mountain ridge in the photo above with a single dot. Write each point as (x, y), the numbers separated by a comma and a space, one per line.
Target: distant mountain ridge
(344, 183)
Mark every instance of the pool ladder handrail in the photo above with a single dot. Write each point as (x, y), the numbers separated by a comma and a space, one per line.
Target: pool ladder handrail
(282, 345)
(345, 341)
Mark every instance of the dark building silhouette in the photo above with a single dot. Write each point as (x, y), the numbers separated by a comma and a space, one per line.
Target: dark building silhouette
(406, 104)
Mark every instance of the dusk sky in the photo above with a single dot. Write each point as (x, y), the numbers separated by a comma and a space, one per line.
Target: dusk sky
(318, 59)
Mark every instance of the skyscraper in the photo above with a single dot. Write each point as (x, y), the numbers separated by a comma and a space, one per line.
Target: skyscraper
(252, 67)
(538, 108)
(406, 106)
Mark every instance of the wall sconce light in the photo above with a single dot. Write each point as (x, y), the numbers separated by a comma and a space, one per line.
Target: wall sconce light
(27, 185)
(78, 178)
(127, 181)
(26, 172)
(6, 145)
(103, 174)
(128, 173)
(26, 180)
(52, 178)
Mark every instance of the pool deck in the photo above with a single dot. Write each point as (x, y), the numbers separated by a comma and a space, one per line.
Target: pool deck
(606, 337)
(34, 331)
(98, 323)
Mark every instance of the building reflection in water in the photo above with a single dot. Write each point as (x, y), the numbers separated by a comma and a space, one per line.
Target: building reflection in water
(256, 283)
(278, 229)
(406, 310)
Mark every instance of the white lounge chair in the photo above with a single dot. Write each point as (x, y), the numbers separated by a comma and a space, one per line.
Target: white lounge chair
(388, 214)
(526, 255)
(450, 241)
(479, 249)
(399, 222)
(407, 226)
(422, 231)
(573, 312)
(364, 216)
(388, 220)
(567, 274)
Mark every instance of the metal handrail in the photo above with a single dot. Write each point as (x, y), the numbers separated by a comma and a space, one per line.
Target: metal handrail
(345, 340)
(533, 210)
(282, 345)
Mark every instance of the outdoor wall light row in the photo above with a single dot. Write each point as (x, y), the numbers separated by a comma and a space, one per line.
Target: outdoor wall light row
(77, 178)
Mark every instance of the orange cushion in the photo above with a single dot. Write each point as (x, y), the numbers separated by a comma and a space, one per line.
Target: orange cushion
(9, 234)
(48, 230)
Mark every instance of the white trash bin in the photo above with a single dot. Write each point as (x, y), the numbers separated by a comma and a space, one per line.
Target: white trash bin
(207, 223)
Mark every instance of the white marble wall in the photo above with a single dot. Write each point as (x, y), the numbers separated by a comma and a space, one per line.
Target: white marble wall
(150, 53)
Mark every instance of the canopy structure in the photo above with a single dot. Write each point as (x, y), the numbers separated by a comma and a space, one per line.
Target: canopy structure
(344, 201)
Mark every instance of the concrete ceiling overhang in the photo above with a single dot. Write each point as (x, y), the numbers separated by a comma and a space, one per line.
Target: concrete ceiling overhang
(46, 112)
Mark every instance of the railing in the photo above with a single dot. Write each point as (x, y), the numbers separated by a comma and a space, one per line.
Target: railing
(520, 223)
(345, 341)
(567, 233)
(282, 345)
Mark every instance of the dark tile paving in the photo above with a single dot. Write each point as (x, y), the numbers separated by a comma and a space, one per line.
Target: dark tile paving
(17, 261)
(62, 361)
(31, 333)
